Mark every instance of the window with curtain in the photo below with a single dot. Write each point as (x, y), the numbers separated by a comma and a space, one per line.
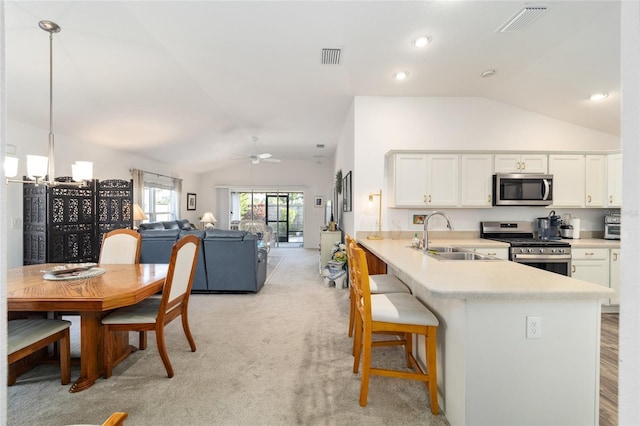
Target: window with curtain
(160, 196)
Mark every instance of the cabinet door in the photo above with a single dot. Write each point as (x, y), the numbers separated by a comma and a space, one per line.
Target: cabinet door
(591, 265)
(533, 163)
(595, 179)
(442, 179)
(476, 178)
(614, 180)
(507, 163)
(409, 180)
(568, 180)
(614, 275)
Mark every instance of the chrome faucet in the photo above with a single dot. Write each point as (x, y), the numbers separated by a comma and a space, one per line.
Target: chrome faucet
(425, 235)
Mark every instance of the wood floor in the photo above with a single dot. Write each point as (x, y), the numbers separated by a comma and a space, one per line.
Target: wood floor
(609, 370)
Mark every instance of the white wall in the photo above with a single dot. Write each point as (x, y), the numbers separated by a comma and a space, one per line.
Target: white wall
(313, 177)
(107, 164)
(382, 124)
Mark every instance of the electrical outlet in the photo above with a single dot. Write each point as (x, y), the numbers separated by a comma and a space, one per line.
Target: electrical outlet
(534, 327)
(16, 223)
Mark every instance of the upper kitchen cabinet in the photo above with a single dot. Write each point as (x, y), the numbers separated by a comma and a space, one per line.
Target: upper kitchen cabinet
(568, 180)
(595, 180)
(614, 180)
(419, 180)
(520, 163)
(475, 180)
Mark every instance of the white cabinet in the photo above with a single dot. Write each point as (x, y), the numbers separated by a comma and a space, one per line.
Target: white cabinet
(408, 180)
(419, 180)
(614, 275)
(595, 180)
(614, 180)
(327, 242)
(476, 180)
(520, 163)
(499, 252)
(443, 171)
(592, 265)
(568, 180)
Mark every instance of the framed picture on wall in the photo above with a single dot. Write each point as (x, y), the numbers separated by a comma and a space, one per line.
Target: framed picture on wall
(318, 202)
(346, 193)
(191, 201)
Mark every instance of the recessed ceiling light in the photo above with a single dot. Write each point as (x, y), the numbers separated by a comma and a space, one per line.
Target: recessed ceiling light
(401, 75)
(598, 96)
(421, 41)
(488, 73)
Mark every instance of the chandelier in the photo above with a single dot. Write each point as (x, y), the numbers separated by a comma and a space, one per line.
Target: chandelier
(41, 169)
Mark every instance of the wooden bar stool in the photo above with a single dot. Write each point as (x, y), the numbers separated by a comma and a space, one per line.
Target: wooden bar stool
(396, 313)
(379, 284)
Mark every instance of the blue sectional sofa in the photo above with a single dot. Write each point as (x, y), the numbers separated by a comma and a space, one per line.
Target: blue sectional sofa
(228, 261)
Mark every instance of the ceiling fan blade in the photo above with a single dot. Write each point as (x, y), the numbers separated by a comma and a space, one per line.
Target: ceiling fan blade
(264, 156)
(271, 160)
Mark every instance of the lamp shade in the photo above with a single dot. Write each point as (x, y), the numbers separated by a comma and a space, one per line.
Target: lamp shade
(82, 170)
(208, 218)
(138, 214)
(37, 166)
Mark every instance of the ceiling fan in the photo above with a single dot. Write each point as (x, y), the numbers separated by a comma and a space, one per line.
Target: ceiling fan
(257, 158)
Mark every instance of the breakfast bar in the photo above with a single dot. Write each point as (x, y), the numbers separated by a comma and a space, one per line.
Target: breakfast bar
(491, 368)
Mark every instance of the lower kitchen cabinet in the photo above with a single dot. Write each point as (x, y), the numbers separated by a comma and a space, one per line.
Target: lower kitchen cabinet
(592, 265)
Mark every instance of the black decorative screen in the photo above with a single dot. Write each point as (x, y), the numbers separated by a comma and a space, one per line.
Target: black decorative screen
(66, 224)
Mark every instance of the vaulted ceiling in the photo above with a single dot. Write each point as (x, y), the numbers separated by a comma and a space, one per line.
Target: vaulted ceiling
(161, 78)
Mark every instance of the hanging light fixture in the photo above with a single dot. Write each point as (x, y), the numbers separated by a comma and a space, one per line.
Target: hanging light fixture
(39, 167)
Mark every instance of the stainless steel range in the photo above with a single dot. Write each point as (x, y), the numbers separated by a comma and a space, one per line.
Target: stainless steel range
(550, 255)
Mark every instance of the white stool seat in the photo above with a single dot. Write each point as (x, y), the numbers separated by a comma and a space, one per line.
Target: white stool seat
(26, 332)
(387, 283)
(401, 308)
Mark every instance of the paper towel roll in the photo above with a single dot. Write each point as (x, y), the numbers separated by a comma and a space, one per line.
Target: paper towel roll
(576, 228)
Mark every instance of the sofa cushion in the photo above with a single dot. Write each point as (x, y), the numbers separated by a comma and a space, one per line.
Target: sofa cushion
(184, 224)
(166, 234)
(171, 224)
(225, 234)
(152, 225)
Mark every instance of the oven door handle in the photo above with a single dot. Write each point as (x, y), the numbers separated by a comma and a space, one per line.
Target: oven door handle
(556, 258)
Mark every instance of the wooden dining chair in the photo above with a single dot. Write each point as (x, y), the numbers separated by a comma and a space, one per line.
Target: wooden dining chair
(27, 336)
(121, 246)
(153, 314)
(398, 313)
(379, 283)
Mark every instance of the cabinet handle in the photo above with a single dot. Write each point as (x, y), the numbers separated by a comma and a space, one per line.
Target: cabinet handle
(424, 198)
(524, 166)
(488, 198)
(610, 199)
(588, 198)
(573, 269)
(615, 257)
(589, 254)
(518, 165)
(491, 254)
(429, 197)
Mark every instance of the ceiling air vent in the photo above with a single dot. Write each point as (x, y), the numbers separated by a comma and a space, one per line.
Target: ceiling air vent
(522, 19)
(331, 56)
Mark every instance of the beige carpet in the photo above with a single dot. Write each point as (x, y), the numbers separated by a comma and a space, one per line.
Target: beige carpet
(279, 357)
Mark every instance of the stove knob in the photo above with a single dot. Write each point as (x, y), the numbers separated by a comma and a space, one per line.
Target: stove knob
(541, 250)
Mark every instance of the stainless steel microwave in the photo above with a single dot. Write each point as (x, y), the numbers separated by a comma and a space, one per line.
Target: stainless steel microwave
(522, 189)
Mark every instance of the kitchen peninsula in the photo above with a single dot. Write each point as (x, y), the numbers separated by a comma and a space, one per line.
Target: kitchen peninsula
(489, 372)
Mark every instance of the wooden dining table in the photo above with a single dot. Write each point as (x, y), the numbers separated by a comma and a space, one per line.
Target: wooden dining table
(92, 298)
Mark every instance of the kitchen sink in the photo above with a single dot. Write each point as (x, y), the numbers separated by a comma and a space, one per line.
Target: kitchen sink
(459, 254)
(445, 249)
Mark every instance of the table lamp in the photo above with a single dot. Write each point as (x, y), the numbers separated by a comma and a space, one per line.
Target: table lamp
(138, 214)
(208, 220)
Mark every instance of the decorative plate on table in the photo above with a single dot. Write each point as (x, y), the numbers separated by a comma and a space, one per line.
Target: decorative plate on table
(69, 268)
(72, 271)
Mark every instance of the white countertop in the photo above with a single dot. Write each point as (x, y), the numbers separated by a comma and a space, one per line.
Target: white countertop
(480, 279)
